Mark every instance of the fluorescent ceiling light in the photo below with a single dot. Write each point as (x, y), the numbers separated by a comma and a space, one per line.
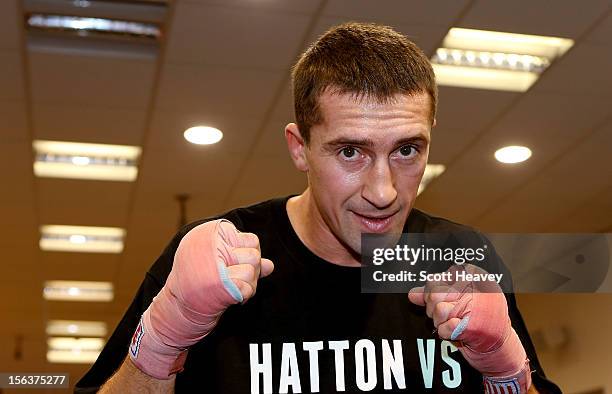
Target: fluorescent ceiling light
(84, 25)
(203, 135)
(495, 60)
(512, 154)
(73, 350)
(432, 171)
(482, 78)
(58, 159)
(64, 290)
(76, 328)
(494, 41)
(86, 239)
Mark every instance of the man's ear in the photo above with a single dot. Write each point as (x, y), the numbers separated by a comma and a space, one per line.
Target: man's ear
(434, 123)
(296, 146)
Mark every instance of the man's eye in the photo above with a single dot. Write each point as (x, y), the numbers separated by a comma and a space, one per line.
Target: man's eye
(349, 152)
(407, 150)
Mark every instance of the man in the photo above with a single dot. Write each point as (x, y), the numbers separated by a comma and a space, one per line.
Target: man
(365, 103)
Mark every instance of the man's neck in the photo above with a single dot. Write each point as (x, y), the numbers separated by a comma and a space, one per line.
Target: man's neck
(312, 230)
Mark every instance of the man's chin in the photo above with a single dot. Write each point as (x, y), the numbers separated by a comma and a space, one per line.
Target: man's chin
(383, 240)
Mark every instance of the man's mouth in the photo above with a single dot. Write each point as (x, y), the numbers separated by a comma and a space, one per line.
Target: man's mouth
(374, 223)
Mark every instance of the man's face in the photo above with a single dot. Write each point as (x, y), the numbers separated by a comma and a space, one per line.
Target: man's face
(365, 163)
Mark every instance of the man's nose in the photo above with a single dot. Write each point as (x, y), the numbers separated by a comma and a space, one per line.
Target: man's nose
(379, 187)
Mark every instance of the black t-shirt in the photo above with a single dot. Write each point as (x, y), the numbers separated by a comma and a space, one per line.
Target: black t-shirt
(309, 328)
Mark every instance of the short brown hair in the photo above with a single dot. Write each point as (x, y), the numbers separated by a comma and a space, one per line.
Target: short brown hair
(366, 59)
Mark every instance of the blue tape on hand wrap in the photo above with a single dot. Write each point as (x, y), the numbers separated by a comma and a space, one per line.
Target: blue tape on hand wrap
(460, 328)
(228, 284)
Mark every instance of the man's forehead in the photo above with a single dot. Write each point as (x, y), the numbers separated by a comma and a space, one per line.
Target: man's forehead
(340, 106)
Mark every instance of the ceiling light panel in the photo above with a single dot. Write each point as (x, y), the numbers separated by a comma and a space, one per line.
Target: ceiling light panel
(85, 239)
(73, 350)
(76, 328)
(58, 159)
(495, 60)
(122, 10)
(87, 25)
(62, 290)
(106, 28)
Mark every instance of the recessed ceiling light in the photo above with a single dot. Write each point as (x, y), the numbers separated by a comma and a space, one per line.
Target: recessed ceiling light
(513, 154)
(203, 135)
(63, 290)
(58, 159)
(87, 239)
(432, 171)
(495, 60)
(73, 350)
(76, 328)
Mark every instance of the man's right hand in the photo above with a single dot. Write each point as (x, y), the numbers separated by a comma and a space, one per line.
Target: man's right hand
(215, 266)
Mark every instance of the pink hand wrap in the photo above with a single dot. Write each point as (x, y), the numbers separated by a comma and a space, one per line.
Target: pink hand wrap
(490, 344)
(476, 315)
(188, 307)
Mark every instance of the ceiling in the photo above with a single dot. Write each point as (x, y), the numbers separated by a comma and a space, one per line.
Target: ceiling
(225, 63)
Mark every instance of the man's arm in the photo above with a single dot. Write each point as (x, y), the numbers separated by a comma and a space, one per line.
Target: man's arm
(129, 379)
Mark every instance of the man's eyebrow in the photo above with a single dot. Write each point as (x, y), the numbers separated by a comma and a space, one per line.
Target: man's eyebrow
(341, 141)
(368, 143)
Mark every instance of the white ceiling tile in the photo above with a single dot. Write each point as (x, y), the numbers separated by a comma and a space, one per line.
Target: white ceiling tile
(79, 266)
(602, 33)
(583, 70)
(559, 189)
(563, 18)
(471, 184)
(547, 122)
(203, 172)
(83, 202)
(234, 36)
(171, 165)
(447, 142)
(167, 128)
(272, 141)
(260, 181)
(10, 34)
(104, 125)
(217, 90)
(472, 109)
(94, 81)
(283, 108)
(11, 76)
(592, 216)
(439, 13)
(17, 200)
(474, 184)
(13, 125)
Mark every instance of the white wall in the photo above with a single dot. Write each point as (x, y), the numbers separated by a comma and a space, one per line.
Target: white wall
(585, 362)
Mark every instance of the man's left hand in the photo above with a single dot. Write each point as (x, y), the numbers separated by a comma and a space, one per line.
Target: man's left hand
(475, 315)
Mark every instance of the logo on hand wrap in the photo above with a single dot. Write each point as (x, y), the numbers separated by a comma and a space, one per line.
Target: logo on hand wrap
(136, 338)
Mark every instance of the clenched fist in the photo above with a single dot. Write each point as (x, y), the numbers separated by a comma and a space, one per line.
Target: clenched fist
(215, 266)
(476, 315)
